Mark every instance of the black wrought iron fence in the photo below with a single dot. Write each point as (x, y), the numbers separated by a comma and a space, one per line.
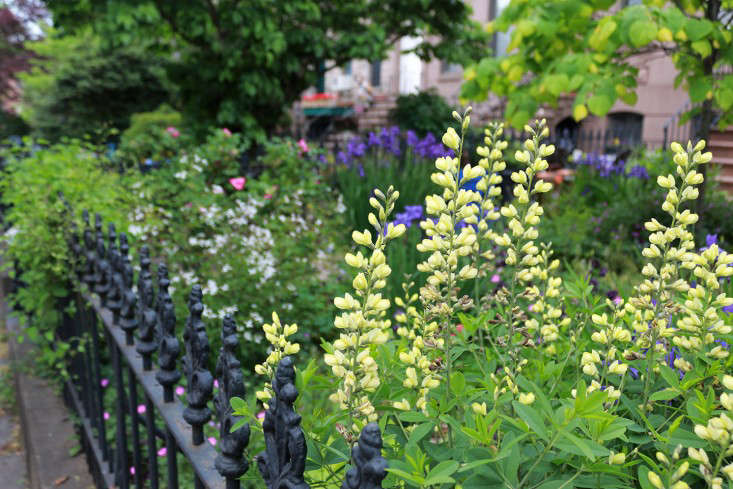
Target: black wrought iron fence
(130, 333)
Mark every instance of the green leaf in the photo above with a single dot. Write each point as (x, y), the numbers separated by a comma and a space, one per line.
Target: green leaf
(420, 432)
(697, 29)
(442, 471)
(642, 32)
(457, 383)
(556, 484)
(413, 417)
(671, 376)
(533, 419)
(665, 394)
(699, 88)
(600, 104)
(702, 48)
(557, 84)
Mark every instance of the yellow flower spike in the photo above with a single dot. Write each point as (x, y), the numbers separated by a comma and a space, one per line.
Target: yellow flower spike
(728, 382)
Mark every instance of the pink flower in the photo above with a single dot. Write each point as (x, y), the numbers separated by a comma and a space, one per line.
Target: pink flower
(268, 196)
(104, 382)
(141, 409)
(180, 391)
(226, 131)
(105, 415)
(261, 415)
(238, 183)
(216, 384)
(162, 452)
(303, 145)
(132, 470)
(172, 131)
(495, 278)
(617, 300)
(212, 440)
(459, 328)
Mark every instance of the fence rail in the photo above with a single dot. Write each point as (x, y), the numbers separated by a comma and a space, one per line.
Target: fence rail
(119, 328)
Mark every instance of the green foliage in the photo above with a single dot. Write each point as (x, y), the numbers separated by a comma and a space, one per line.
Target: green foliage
(242, 64)
(421, 112)
(583, 49)
(36, 251)
(76, 87)
(614, 399)
(147, 136)
(12, 125)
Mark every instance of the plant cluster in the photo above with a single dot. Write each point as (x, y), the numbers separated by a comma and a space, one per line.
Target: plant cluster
(539, 384)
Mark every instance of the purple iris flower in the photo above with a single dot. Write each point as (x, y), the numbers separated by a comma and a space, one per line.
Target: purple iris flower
(412, 139)
(639, 172)
(410, 214)
(728, 309)
(373, 140)
(361, 170)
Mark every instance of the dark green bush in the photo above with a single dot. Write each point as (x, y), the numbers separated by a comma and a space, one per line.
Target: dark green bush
(423, 112)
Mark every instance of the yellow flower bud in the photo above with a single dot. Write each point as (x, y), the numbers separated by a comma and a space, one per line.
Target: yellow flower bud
(451, 139)
(617, 458)
(655, 480)
(527, 398)
(479, 408)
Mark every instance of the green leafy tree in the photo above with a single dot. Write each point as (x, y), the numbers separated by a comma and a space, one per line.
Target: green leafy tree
(242, 64)
(76, 86)
(584, 49)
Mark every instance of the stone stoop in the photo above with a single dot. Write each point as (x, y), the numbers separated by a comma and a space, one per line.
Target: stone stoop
(721, 145)
(377, 114)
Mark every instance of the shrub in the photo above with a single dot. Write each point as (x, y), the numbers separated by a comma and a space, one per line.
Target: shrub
(420, 112)
(148, 137)
(36, 252)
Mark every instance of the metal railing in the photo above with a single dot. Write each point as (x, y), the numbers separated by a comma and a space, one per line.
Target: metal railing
(130, 334)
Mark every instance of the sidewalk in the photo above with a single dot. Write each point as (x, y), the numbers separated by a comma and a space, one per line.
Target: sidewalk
(12, 455)
(39, 447)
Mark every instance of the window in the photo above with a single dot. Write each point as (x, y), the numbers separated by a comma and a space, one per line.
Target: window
(500, 40)
(626, 128)
(375, 73)
(447, 68)
(346, 69)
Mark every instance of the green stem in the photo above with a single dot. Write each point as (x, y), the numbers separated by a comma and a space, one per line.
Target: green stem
(539, 459)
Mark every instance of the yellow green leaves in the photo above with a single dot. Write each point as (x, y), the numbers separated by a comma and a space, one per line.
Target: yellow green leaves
(580, 112)
(600, 104)
(642, 32)
(557, 83)
(604, 29)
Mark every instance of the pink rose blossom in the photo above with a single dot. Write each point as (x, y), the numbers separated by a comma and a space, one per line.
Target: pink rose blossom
(141, 409)
(226, 131)
(495, 278)
(180, 391)
(238, 182)
(162, 452)
(172, 131)
(303, 145)
(212, 440)
(104, 382)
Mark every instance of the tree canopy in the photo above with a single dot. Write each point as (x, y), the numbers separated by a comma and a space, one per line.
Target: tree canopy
(585, 49)
(76, 87)
(243, 63)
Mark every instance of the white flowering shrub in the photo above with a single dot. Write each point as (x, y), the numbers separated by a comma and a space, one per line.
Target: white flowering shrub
(253, 245)
(539, 385)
